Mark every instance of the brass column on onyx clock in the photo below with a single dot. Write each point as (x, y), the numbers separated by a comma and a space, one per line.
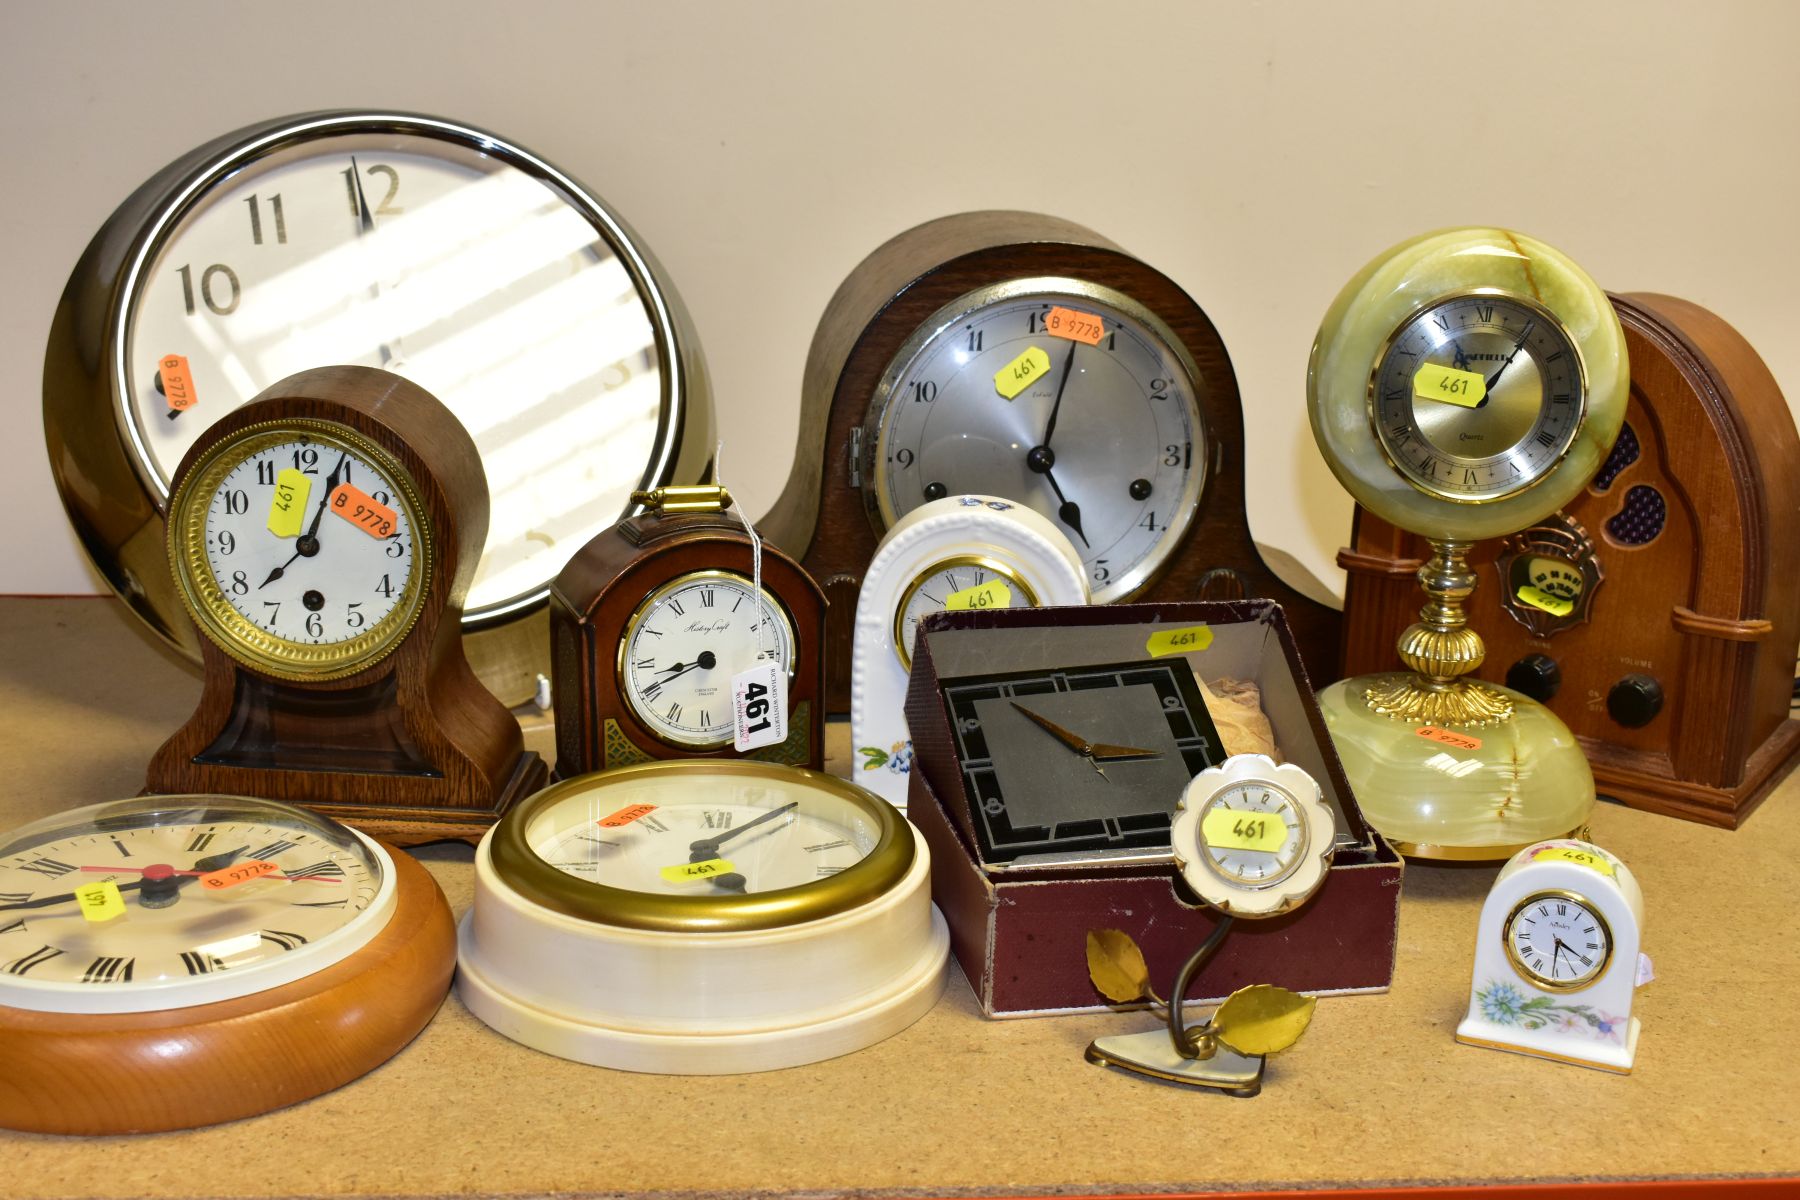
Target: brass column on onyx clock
(977, 289)
(651, 619)
(331, 648)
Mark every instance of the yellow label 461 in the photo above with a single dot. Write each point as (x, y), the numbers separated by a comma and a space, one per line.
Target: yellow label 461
(1569, 854)
(1178, 641)
(1021, 372)
(100, 901)
(992, 594)
(697, 872)
(1236, 829)
(1448, 385)
(1537, 597)
(287, 511)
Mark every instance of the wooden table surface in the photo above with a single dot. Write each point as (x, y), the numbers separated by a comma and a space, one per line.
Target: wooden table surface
(1377, 1093)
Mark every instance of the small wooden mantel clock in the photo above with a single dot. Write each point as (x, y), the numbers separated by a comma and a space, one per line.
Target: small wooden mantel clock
(322, 539)
(1026, 357)
(650, 621)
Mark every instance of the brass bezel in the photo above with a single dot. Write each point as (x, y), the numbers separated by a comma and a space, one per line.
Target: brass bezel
(1269, 881)
(1412, 317)
(875, 421)
(621, 681)
(960, 560)
(1536, 980)
(878, 873)
(215, 616)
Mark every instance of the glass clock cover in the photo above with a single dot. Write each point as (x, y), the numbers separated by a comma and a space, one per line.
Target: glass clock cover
(1102, 437)
(203, 898)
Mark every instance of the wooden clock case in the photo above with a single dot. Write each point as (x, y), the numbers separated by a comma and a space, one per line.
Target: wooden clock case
(98, 1073)
(412, 748)
(821, 515)
(1707, 608)
(593, 599)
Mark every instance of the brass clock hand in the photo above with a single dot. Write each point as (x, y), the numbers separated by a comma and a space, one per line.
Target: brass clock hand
(1095, 752)
(1501, 369)
(1073, 741)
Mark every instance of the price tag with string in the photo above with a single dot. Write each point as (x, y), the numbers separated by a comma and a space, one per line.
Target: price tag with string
(759, 698)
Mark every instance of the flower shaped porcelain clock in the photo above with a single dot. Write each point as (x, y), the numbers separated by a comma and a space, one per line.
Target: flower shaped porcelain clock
(1556, 958)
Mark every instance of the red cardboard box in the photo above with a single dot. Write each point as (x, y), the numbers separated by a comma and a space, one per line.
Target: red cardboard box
(1020, 932)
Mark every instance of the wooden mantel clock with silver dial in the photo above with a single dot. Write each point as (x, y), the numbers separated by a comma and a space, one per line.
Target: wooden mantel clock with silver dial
(1026, 357)
(1464, 385)
(426, 247)
(323, 538)
(650, 622)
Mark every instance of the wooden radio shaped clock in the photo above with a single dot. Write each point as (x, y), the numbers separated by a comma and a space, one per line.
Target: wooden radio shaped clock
(1026, 357)
(650, 621)
(323, 538)
(1658, 612)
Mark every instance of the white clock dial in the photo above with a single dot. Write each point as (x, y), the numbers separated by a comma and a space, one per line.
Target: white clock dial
(685, 642)
(179, 939)
(769, 843)
(432, 258)
(1263, 834)
(1105, 440)
(1558, 940)
(347, 567)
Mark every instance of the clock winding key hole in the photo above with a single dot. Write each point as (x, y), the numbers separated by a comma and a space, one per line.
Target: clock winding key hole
(1140, 489)
(313, 601)
(936, 491)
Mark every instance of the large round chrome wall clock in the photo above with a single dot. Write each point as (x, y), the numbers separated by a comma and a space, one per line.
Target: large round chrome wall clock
(419, 245)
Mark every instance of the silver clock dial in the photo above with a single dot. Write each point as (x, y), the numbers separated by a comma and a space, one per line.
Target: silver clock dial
(347, 566)
(1105, 440)
(685, 642)
(1558, 940)
(1448, 444)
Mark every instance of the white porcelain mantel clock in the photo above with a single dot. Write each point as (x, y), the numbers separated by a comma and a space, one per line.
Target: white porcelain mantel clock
(1464, 385)
(957, 552)
(1556, 958)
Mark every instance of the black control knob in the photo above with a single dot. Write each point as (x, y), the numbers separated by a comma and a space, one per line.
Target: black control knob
(1537, 675)
(1635, 700)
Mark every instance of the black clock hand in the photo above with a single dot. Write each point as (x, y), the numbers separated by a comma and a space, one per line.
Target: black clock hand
(1056, 405)
(707, 848)
(1068, 512)
(1501, 369)
(307, 544)
(706, 662)
(170, 883)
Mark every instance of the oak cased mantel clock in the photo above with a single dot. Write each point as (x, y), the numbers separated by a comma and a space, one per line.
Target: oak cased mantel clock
(650, 621)
(1023, 356)
(322, 540)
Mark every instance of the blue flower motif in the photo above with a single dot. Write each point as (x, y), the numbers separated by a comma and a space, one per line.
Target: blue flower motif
(900, 762)
(1501, 1003)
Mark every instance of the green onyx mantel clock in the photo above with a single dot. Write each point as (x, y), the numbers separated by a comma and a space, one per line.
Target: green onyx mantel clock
(323, 538)
(1464, 385)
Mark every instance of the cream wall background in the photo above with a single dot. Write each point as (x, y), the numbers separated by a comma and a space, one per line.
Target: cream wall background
(1258, 153)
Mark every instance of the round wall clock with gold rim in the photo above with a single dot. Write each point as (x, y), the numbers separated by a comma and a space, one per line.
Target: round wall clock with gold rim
(420, 245)
(158, 953)
(744, 916)
(322, 538)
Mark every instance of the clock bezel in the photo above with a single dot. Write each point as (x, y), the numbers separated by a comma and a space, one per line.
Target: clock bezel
(622, 677)
(537, 881)
(220, 621)
(1532, 977)
(877, 503)
(986, 562)
(1567, 442)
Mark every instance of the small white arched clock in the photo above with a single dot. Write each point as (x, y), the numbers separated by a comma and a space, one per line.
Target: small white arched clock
(954, 553)
(1252, 838)
(1557, 957)
(702, 917)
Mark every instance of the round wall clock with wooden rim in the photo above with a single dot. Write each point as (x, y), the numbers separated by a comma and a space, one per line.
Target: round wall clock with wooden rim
(429, 248)
(1023, 356)
(650, 622)
(702, 918)
(171, 961)
(322, 539)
